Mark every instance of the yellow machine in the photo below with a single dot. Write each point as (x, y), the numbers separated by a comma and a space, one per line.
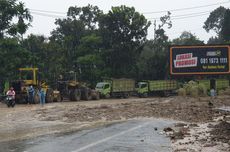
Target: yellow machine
(74, 90)
(28, 77)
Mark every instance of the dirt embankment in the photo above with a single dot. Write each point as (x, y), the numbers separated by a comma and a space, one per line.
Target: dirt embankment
(177, 108)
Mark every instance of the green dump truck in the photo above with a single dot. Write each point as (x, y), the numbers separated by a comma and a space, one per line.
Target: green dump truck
(217, 84)
(157, 87)
(116, 88)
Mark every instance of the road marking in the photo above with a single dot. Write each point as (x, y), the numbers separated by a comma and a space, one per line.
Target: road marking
(110, 137)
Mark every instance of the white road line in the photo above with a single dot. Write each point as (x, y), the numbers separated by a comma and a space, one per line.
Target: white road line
(110, 137)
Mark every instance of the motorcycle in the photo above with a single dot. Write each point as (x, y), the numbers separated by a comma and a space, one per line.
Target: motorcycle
(10, 101)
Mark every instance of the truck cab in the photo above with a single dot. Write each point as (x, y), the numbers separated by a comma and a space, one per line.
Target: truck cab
(142, 89)
(104, 88)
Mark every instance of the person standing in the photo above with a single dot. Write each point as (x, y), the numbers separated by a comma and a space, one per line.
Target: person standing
(42, 96)
(31, 94)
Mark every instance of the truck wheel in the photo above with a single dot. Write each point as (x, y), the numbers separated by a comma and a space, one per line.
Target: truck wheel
(13, 104)
(87, 94)
(95, 95)
(166, 93)
(145, 95)
(98, 96)
(126, 95)
(71, 95)
(107, 96)
(59, 98)
(49, 95)
(76, 95)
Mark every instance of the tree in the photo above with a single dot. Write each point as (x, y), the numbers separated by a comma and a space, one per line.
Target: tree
(89, 61)
(214, 40)
(12, 57)
(14, 18)
(45, 55)
(152, 63)
(89, 15)
(187, 38)
(225, 31)
(215, 20)
(123, 31)
(80, 22)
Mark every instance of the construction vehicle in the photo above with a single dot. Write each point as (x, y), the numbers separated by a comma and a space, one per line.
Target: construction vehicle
(72, 89)
(217, 84)
(29, 77)
(160, 87)
(116, 88)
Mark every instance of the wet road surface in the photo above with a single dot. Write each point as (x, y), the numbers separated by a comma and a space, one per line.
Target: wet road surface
(130, 136)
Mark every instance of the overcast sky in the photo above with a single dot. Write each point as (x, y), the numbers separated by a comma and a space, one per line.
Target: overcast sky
(190, 19)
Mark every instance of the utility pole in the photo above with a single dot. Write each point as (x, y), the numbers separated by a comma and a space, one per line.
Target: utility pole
(155, 28)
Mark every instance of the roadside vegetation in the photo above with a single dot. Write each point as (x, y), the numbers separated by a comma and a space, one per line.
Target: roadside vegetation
(95, 44)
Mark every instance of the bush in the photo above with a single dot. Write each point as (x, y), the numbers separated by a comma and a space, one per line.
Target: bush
(202, 89)
(181, 92)
(194, 92)
(193, 89)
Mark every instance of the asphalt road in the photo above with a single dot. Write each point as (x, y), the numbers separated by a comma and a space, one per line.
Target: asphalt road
(130, 136)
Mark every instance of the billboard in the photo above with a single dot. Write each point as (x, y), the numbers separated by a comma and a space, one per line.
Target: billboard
(199, 60)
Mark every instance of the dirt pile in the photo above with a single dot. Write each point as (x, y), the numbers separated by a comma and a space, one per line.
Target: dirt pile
(221, 132)
(185, 109)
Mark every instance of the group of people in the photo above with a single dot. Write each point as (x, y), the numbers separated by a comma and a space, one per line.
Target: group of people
(31, 93)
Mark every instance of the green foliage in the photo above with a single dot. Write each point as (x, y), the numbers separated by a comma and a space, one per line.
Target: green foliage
(214, 40)
(14, 18)
(89, 15)
(47, 56)
(193, 89)
(215, 20)
(152, 62)
(124, 32)
(77, 34)
(225, 31)
(12, 56)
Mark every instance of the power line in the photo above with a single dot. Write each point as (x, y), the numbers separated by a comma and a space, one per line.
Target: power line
(187, 8)
(45, 11)
(47, 15)
(154, 12)
(177, 18)
(183, 15)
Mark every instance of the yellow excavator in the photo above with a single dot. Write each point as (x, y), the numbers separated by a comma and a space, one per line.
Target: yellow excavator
(28, 77)
(73, 90)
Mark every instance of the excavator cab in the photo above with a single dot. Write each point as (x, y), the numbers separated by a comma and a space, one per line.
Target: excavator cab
(29, 76)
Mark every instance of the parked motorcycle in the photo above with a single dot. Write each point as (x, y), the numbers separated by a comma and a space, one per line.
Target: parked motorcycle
(10, 101)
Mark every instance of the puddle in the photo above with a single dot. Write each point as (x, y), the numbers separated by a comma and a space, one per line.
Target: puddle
(224, 108)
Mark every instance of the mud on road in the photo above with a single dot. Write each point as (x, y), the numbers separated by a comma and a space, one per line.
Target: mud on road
(27, 121)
